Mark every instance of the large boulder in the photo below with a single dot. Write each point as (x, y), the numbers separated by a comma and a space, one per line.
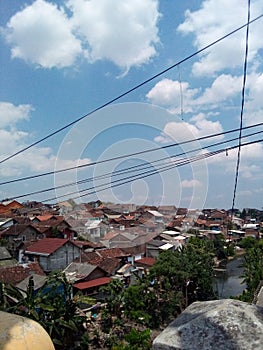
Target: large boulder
(222, 324)
(21, 333)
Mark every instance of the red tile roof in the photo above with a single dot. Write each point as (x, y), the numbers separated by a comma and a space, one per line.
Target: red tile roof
(47, 246)
(93, 283)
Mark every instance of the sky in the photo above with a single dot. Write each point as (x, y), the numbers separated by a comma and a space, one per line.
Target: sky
(61, 60)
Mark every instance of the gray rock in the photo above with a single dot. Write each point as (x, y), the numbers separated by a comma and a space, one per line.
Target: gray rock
(222, 324)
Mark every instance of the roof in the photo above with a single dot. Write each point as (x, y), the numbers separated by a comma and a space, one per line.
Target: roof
(166, 246)
(146, 261)
(113, 253)
(17, 229)
(39, 281)
(93, 283)
(15, 274)
(4, 254)
(155, 213)
(47, 246)
(78, 271)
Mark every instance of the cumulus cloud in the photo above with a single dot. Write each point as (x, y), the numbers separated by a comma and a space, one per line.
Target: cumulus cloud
(223, 88)
(48, 36)
(42, 34)
(214, 19)
(124, 32)
(250, 155)
(11, 114)
(36, 159)
(182, 131)
(173, 94)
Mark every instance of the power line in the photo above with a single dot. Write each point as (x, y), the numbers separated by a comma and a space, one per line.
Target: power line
(128, 155)
(129, 91)
(131, 169)
(241, 112)
(185, 162)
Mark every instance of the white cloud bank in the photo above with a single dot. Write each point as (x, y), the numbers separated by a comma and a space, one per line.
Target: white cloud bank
(215, 19)
(124, 32)
(12, 140)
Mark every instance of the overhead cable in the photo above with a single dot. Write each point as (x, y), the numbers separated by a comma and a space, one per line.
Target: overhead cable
(241, 112)
(131, 169)
(128, 155)
(129, 91)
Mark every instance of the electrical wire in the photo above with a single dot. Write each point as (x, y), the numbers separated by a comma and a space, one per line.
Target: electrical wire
(186, 161)
(241, 114)
(128, 170)
(129, 91)
(128, 155)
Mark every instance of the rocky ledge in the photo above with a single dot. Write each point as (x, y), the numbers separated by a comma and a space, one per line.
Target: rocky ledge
(222, 324)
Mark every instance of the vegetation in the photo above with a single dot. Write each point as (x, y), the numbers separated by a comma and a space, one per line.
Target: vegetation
(177, 279)
(253, 267)
(52, 306)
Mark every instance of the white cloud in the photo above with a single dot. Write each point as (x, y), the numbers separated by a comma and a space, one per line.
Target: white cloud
(48, 36)
(190, 183)
(182, 131)
(250, 155)
(35, 159)
(124, 32)
(11, 114)
(173, 94)
(41, 34)
(216, 18)
(223, 88)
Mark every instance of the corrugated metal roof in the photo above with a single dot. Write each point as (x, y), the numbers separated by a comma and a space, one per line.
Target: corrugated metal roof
(93, 283)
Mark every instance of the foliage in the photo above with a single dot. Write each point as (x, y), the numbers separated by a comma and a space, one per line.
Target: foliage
(248, 242)
(136, 340)
(253, 267)
(188, 270)
(113, 294)
(52, 307)
(219, 246)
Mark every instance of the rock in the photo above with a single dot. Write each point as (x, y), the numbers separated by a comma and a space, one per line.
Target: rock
(221, 324)
(21, 333)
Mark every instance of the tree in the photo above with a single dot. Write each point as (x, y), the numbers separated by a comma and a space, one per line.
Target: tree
(253, 273)
(52, 307)
(136, 340)
(188, 270)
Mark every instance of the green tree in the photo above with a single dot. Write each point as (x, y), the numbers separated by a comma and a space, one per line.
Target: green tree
(136, 340)
(253, 273)
(52, 307)
(188, 270)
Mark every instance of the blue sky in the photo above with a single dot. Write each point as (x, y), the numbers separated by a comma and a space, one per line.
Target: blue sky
(61, 59)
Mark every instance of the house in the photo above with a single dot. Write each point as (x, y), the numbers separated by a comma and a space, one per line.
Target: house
(251, 230)
(15, 274)
(38, 280)
(5, 223)
(53, 253)
(6, 258)
(167, 210)
(17, 234)
(76, 272)
(129, 274)
(145, 262)
(92, 287)
(119, 239)
(7, 207)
